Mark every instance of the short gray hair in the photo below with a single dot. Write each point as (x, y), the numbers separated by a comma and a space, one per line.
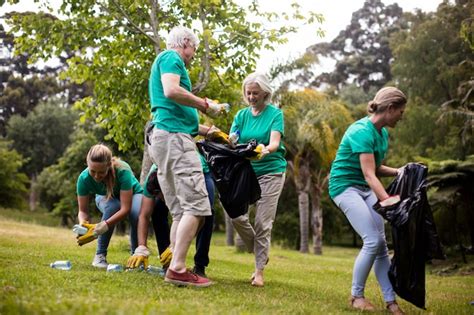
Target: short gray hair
(262, 82)
(178, 36)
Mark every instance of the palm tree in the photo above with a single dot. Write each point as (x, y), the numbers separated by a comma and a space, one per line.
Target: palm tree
(314, 125)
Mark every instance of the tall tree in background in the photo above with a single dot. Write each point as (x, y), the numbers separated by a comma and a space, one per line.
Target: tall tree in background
(13, 183)
(361, 51)
(314, 126)
(23, 85)
(34, 137)
(431, 59)
(116, 42)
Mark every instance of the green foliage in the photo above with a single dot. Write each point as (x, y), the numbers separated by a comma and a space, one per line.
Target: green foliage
(42, 136)
(295, 283)
(361, 51)
(13, 183)
(431, 59)
(21, 95)
(114, 44)
(57, 183)
(411, 139)
(452, 196)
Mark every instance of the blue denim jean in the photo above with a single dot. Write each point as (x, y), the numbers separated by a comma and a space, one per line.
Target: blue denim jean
(108, 209)
(357, 203)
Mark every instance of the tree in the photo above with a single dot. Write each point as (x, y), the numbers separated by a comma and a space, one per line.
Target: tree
(115, 43)
(13, 183)
(24, 85)
(361, 51)
(36, 139)
(57, 183)
(314, 126)
(431, 59)
(451, 194)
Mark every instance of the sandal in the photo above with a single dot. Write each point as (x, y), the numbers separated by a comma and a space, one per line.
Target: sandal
(394, 308)
(361, 303)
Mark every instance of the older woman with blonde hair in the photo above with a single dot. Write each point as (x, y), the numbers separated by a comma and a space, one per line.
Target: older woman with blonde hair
(263, 122)
(355, 189)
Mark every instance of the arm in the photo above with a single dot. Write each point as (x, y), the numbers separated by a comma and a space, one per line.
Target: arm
(275, 137)
(385, 171)
(83, 214)
(143, 220)
(367, 164)
(175, 92)
(125, 206)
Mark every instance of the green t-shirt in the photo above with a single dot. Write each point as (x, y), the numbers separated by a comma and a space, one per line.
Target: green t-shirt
(146, 193)
(124, 180)
(360, 137)
(259, 128)
(167, 114)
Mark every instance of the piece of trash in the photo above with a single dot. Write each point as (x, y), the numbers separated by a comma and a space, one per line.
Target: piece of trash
(79, 229)
(114, 268)
(156, 270)
(61, 265)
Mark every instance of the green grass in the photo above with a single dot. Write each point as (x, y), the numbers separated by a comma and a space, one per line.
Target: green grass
(294, 283)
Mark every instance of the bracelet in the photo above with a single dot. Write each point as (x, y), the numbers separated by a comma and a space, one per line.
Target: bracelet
(206, 104)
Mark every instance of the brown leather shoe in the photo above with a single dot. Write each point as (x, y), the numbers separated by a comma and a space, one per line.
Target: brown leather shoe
(361, 303)
(393, 308)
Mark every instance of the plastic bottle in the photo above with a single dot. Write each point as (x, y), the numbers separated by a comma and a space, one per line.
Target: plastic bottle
(155, 270)
(226, 107)
(79, 229)
(234, 137)
(61, 265)
(114, 268)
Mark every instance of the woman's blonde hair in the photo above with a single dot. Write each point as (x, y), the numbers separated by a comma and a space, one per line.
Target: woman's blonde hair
(262, 82)
(100, 153)
(385, 97)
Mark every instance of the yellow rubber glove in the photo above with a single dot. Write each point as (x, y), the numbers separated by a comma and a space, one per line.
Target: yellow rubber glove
(89, 236)
(218, 137)
(140, 257)
(165, 258)
(261, 151)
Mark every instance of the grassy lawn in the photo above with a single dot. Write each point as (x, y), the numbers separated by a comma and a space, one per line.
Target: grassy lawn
(295, 283)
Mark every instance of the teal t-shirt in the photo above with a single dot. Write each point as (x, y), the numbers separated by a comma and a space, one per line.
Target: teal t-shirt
(124, 180)
(146, 193)
(360, 137)
(259, 128)
(167, 114)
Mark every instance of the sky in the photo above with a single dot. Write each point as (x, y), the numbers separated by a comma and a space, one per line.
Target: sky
(337, 15)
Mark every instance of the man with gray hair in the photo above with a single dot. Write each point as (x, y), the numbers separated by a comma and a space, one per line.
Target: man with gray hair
(176, 122)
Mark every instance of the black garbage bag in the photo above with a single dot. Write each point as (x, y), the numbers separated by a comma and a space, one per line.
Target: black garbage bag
(235, 179)
(414, 235)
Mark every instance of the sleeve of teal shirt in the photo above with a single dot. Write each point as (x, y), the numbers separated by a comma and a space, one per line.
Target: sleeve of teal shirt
(235, 124)
(125, 179)
(81, 187)
(361, 141)
(170, 64)
(278, 123)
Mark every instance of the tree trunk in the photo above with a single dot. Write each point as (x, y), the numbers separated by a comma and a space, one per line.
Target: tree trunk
(229, 231)
(302, 179)
(33, 197)
(317, 222)
(303, 207)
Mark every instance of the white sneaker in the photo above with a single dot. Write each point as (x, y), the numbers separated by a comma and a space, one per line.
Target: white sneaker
(100, 261)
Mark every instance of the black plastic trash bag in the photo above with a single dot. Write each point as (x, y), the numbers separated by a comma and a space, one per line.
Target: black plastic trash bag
(414, 235)
(233, 174)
